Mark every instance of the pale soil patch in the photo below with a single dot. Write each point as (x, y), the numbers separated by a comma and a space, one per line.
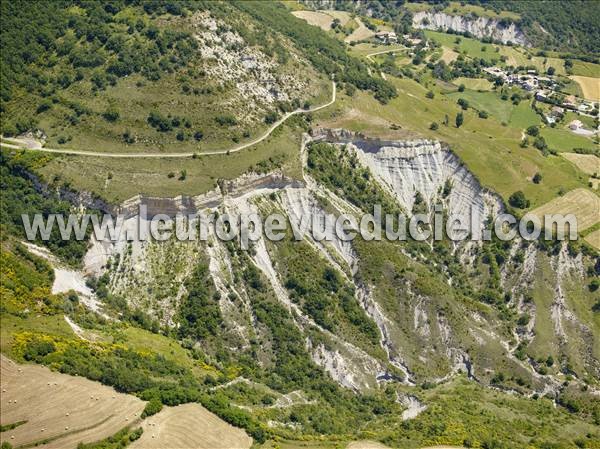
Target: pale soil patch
(580, 202)
(587, 163)
(190, 426)
(44, 398)
(448, 55)
(319, 19)
(589, 86)
(594, 239)
(361, 33)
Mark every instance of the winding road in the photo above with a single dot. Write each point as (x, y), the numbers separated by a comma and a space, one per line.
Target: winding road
(393, 50)
(234, 149)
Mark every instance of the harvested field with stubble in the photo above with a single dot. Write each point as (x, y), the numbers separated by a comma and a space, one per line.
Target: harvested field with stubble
(587, 163)
(594, 239)
(60, 410)
(366, 445)
(580, 202)
(589, 86)
(190, 426)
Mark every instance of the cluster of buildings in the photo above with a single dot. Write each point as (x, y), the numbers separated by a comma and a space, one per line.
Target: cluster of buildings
(387, 37)
(529, 81)
(546, 91)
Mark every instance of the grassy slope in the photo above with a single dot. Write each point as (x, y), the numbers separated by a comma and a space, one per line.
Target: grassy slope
(489, 149)
(468, 46)
(150, 176)
(94, 133)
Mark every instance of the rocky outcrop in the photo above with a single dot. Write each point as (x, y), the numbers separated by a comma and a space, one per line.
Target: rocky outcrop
(427, 169)
(422, 343)
(503, 31)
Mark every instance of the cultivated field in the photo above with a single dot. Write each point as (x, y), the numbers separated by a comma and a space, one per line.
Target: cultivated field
(587, 163)
(190, 426)
(594, 239)
(473, 83)
(315, 18)
(448, 55)
(580, 202)
(366, 445)
(361, 33)
(589, 86)
(60, 410)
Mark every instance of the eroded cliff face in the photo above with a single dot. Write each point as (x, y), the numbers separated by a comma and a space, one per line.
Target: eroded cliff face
(479, 27)
(425, 334)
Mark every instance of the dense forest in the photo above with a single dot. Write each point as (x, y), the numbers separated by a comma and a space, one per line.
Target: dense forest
(567, 26)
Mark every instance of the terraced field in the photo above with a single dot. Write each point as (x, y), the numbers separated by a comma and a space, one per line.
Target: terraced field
(60, 411)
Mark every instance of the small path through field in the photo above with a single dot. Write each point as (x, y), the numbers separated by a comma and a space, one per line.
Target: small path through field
(234, 149)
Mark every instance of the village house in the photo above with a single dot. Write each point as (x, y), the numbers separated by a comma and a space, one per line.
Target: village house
(575, 125)
(387, 37)
(570, 102)
(496, 72)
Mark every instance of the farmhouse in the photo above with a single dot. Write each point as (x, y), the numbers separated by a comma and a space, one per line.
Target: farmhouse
(570, 102)
(496, 72)
(387, 37)
(575, 125)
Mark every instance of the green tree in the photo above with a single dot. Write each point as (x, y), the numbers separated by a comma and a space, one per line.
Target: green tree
(459, 119)
(518, 200)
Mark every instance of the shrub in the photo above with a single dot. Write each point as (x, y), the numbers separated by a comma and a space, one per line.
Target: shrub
(159, 122)
(44, 106)
(152, 408)
(464, 104)
(271, 117)
(433, 126)
(533, 131)
(111, 115)
(459, 119)
(226, 120)
(537, 178)
(518, 200)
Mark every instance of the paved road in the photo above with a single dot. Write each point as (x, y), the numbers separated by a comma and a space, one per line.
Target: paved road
(234, 149)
